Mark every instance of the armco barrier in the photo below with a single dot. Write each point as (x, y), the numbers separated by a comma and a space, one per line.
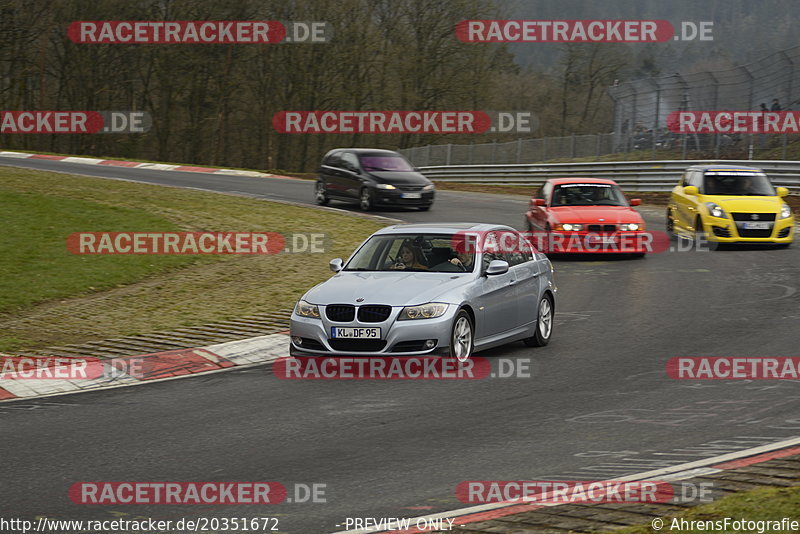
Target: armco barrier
(630, 175)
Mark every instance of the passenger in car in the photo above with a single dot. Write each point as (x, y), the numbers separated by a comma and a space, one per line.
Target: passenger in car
(409, 257)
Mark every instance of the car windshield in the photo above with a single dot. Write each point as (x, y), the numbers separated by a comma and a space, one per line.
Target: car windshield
(587, 195)
(737, 184)
(385, 163)
(412, 252)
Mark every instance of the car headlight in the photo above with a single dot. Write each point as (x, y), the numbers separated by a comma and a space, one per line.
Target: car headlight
(567, 227)
(786, 211)
(715, 210)
(304, 309)
(430, 310)
(385, 186)
(631, 227)
(429, 187)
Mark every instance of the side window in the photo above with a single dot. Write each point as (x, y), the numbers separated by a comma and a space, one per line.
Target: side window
(350, 161)
(333, 160)
(695, 178)
(546, 190)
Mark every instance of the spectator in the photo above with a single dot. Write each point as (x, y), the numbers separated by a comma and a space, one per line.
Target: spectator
(764, 108)
(776, 106)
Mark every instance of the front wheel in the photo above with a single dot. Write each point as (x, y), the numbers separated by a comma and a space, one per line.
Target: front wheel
(425, 208)
(365, 199)
(461, 337)
(544, 324)
(320, 195)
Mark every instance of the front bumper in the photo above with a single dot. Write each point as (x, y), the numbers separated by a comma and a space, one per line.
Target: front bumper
(395, 197)
(724, 230)
(398, 338)
(638, 242)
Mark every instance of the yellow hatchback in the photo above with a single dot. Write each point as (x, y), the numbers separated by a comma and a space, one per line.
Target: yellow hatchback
(730, 204)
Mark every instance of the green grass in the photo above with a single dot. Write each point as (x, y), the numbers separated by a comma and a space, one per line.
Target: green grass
(51, 297)
(34, 257)
(754, 505)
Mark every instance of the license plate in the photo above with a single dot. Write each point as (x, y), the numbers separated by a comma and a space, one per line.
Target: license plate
(348, 332)
(756, 226)
(604, 239)
(411, 195)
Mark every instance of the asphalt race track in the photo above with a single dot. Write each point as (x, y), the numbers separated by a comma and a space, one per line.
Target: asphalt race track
(597, 404)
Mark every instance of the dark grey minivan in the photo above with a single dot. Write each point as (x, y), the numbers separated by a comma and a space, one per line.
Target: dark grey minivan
(373, 178)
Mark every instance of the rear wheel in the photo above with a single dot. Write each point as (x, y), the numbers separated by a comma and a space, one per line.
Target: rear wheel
(320, 195)
(461, 337)
(365, 199)
(544, 324)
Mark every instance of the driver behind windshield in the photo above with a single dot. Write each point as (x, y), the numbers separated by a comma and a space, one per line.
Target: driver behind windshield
(465, 260)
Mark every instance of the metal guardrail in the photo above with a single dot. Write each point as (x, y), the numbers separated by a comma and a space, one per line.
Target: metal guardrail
(630, 175)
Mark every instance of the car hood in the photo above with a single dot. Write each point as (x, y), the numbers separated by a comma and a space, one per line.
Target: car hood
(746, 204)
(400, 178)
(593, 214)
(391, 288)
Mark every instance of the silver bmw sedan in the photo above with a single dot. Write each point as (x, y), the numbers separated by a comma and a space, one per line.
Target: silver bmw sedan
(417, 289)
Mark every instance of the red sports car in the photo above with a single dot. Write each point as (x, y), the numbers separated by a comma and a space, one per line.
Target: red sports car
(585, 215)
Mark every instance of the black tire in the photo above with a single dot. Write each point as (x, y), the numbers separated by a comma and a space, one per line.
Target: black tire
(462, 325)
(637, 255)
(320, 195)
(544, 323)
(670, 224)
(365, 201)
(425, 208)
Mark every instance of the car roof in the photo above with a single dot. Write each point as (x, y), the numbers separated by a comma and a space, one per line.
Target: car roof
(441, 228)
(558, 181)
(724, 168)
(380, 151)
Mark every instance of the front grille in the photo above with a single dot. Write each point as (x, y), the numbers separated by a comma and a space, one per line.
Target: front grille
(340, 313)
(410, 187)
(784, 232)
(374, 313)
(602, 227)
(749, 216)
(357, 345)
(754, 233)
(721, 232)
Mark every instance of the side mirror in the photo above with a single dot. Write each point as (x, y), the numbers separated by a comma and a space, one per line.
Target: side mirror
(691, 190)
(336, 265)
(636, 201)
(538, 202)
(782, 191)
(497, 267)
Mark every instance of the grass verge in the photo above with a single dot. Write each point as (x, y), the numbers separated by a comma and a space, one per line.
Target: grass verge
(50, 297)
(762, 504)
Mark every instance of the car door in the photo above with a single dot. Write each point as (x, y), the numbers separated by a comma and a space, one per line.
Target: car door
(528, 281)
(351, 175)
(686, 205)
(539, 213)
(498, 310)
(332, 174)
